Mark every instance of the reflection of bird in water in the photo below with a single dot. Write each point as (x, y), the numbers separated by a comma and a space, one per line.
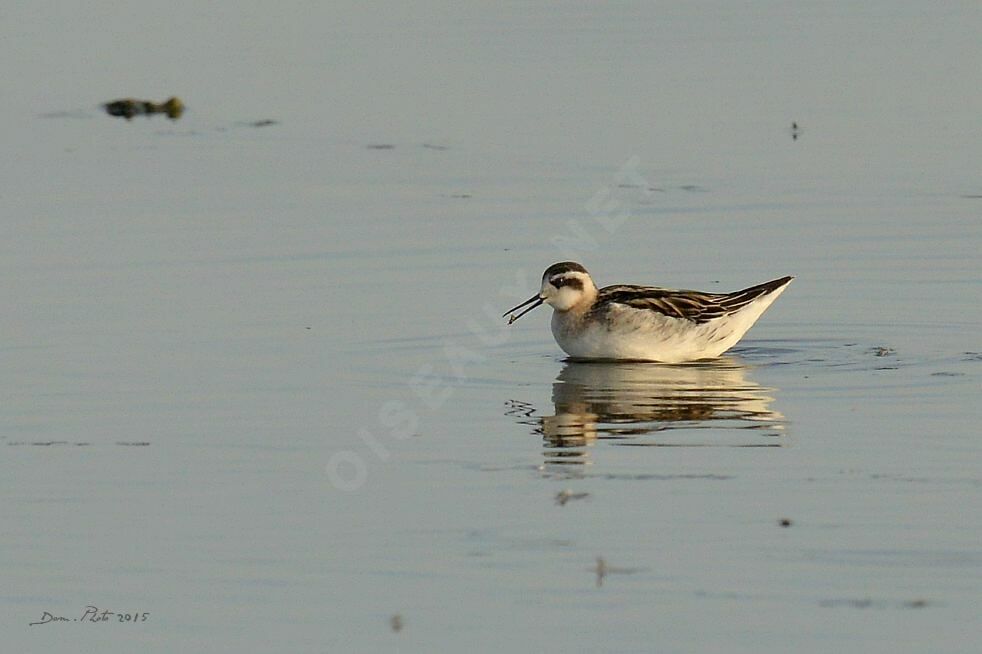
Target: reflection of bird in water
(629, 402)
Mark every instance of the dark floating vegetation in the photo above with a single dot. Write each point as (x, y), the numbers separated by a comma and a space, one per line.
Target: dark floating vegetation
(129, 107)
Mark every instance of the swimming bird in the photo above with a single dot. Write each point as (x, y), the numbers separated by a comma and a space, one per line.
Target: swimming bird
(645, 323)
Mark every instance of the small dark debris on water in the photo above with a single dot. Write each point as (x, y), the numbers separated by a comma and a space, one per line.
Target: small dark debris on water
(265, 122)
(395, 623)
(867, 603)
(602, 570)
(380, 146)
(882, 351)
(795, 131)
(129, 107)
(785, 522)
(564, 496)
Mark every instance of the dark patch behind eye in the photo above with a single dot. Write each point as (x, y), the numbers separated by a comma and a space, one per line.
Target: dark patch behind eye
(572, 282)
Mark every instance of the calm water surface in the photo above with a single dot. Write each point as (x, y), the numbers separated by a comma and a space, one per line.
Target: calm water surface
(256, 385)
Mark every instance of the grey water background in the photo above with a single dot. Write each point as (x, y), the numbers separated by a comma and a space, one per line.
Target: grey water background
(254, 381)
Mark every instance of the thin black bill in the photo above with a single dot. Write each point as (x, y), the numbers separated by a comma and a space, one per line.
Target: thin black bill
(535, 301)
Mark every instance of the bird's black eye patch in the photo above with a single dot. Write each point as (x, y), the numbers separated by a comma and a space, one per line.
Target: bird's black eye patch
(572, 282)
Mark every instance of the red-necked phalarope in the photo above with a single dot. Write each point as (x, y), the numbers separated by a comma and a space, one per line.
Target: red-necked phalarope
(645, 322)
